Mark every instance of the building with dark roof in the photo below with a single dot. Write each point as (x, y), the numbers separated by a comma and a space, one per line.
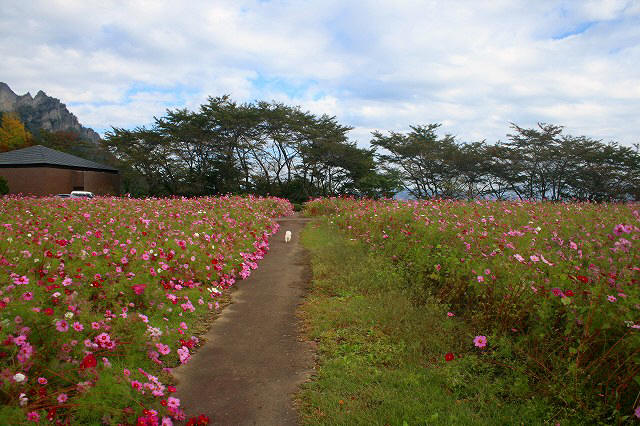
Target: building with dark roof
(39, 170)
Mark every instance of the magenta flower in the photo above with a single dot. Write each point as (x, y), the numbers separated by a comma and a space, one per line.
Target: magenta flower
(611, 299)
(77, 326)
(480, 279)
(62, 398)
(139, 288)
(451, 314)
(33, 416)
(42, 381)
(480, 341)
(62, 326)
(27, 295)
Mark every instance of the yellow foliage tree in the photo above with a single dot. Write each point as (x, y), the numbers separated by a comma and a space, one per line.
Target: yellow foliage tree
(13, 134)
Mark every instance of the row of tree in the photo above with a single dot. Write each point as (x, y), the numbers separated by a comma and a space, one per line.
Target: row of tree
(271, 148)
(261, 147)
(535, 163)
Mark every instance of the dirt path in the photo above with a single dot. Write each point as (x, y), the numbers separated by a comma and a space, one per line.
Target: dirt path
(252, 361)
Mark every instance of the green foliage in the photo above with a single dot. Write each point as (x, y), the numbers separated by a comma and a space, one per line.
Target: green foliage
(538, 163)
(552, 285)
(263, 148)
(381, 358)
(4, 186)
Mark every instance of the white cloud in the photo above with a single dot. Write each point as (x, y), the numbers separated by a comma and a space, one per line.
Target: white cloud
(375, 65)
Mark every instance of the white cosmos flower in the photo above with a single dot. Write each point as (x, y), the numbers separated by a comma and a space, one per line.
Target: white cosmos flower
(19, 377)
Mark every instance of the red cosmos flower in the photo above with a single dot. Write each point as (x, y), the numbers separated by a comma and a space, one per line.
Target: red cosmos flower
(449, 356)
(48, 311)
(200, 420)
(583, 279)
(51, 413)
(171, 388)
(568, 293)
(89, 361)
(139, 288)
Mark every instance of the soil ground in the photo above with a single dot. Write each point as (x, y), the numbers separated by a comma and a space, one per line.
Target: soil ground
(253, 361)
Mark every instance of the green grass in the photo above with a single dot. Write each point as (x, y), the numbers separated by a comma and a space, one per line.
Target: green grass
(381, 357)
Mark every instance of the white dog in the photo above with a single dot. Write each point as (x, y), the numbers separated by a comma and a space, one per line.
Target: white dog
(287, 236)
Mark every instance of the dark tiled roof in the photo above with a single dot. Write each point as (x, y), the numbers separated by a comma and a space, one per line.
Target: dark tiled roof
(41, 155)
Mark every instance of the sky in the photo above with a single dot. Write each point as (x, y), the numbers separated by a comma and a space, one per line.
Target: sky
(473, 66)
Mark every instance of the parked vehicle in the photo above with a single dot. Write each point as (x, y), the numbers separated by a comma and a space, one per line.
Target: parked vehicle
(81, 194)
(63, 195)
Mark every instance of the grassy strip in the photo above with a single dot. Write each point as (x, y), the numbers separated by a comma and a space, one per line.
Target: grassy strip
(381, 359)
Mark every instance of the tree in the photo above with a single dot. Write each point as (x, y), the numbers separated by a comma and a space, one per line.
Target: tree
(425, 163)
(262, 147)
(13, 134)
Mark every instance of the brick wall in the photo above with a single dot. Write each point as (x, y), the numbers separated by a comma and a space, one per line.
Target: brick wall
(51, 181)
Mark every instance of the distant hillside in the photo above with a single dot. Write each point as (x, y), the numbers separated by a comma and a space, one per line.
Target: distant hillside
(43, 112)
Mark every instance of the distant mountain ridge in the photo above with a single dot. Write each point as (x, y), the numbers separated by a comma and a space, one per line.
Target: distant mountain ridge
(43, 112)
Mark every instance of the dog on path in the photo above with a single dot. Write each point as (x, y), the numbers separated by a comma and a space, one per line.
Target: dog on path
(287, 236)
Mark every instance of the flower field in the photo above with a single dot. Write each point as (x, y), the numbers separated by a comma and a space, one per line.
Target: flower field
(99, 299)
(548, 293)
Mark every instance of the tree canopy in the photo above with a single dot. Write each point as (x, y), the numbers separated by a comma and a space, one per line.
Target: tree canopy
(260, 147)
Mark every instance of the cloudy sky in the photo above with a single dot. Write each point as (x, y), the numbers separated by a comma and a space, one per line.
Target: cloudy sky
(473, 66)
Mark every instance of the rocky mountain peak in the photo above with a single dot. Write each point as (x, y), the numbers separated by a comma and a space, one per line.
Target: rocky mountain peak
(43, 112)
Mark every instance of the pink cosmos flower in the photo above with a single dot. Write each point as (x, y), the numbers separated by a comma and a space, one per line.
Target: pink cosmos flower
(95, 325)
(183, 354)
(620, 229)
(451, 314)
(42, 381)
(163, 349)
(62, 398)
(519, 258)
(480, 341)
(27, 296)
(611, 299)
(173, 403)
(534, 258)
(62, 326)
(480, 279)
(77, 326)
(33, 416)
(23, 280)
(573, 245)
